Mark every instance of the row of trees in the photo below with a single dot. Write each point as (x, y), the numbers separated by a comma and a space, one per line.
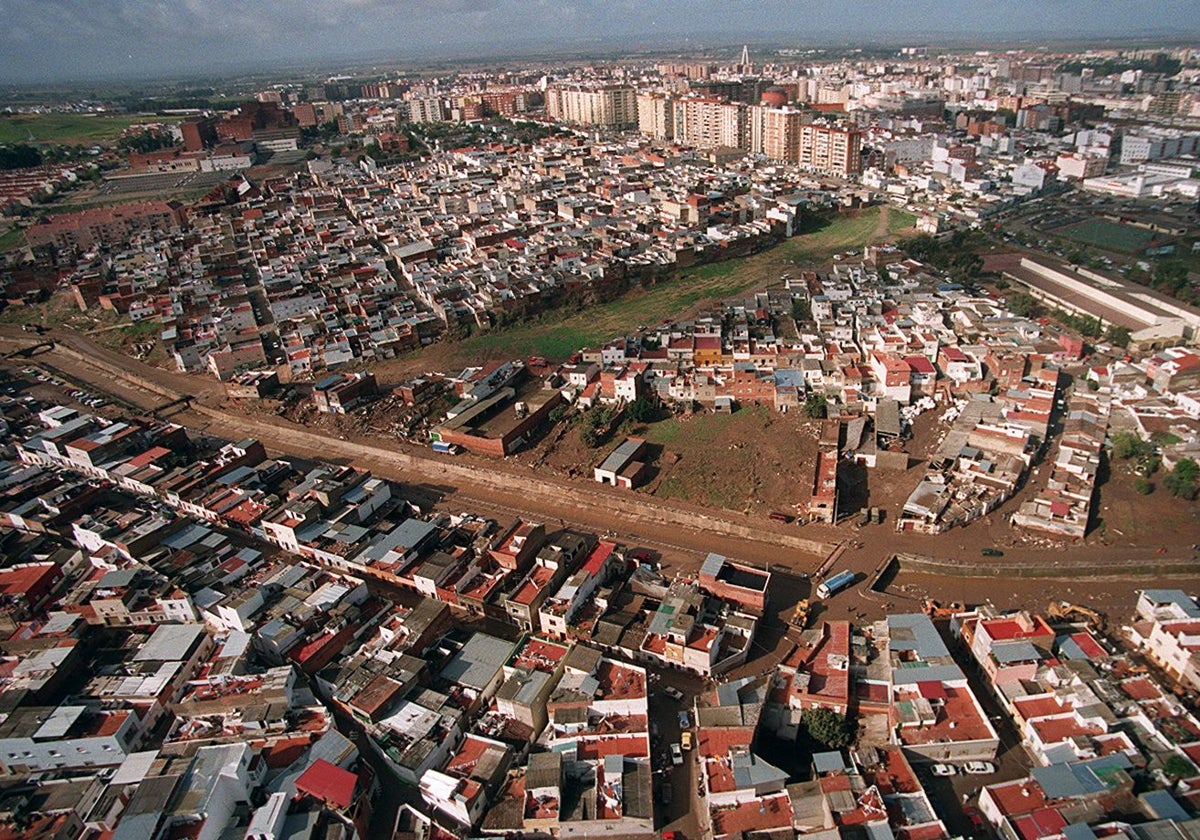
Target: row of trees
(1171, 278)
(146, 140)
(1027, 306)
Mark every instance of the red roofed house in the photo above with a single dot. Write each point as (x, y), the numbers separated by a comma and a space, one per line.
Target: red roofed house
(329, 784)
(25, 588)
(924, 374)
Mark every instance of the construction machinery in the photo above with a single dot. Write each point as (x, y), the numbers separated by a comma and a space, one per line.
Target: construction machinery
(1066, 611)
(800, 616)
(935, 610)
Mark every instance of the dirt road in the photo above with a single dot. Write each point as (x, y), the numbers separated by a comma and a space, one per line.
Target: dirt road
(506, 490)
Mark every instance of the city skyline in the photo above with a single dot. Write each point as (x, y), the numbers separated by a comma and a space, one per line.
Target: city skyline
(66, 40)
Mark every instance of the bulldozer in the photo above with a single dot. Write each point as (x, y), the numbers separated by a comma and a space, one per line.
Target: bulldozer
(1066, 611)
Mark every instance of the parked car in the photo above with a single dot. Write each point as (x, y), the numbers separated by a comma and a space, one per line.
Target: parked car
(944, 770)
(676, 755)
(684, 720)
(976, 818)
(685, 740)
(979, 768)
(673, 692)
(991, 552)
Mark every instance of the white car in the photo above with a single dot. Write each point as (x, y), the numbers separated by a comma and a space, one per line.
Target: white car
(979, 768)
(944, 770)
(673, 692)
(676, 755)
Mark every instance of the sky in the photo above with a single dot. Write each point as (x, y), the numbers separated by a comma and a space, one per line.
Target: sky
(63, 40)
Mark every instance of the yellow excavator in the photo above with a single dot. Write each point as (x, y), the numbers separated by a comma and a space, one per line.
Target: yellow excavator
(800, 616)
(1066, 611)
(937, 610)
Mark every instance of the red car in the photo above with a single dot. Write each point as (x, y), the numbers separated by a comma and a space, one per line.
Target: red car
(976, 818)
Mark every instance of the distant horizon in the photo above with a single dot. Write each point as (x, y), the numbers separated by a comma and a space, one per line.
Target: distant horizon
(58, 42)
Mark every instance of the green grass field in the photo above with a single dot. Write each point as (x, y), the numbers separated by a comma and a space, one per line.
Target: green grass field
(557, 337)
(69, 128)
(11, 239)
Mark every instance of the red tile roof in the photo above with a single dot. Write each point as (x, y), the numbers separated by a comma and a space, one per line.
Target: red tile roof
(329, 783)
(1141, 688)
(1088, 645)
(596, 559)
(1046, 822)
(1020, 797)
(19, 580)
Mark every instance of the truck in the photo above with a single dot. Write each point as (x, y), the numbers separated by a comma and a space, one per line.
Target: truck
(445, 448)
(835, 584)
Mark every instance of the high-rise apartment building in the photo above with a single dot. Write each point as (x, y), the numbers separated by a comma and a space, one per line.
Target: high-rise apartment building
(656, 115)
(775, 132)
(425, 109)
(709, 123)
(608, 106)
(831, 149)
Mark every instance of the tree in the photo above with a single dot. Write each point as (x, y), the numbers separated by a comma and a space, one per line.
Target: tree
(828, 727)
(1178, 767)
(1118, 336)
(642, 410)
(147, 140)
(1143, 486)
(20, 156)
(816, 406)
(801, 309)
(1169, 275)
(1187, 470)
(965, 266)
(1182, 481)
(1022, 304)
(588, 436)
(1128, 445)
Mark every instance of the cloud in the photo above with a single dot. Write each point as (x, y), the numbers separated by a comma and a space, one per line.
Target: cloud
(66, 39)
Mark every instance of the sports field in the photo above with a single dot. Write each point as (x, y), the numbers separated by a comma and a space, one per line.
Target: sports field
(1107, 234)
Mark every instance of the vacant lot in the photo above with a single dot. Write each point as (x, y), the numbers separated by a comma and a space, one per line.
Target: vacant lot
(557, 336)
(753, 461)
(1125, 517)
(70, 128)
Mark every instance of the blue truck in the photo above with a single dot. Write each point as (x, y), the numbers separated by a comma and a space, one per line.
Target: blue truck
(835, 584)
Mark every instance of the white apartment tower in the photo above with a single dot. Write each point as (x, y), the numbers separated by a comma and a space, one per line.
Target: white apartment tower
(606, 106)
